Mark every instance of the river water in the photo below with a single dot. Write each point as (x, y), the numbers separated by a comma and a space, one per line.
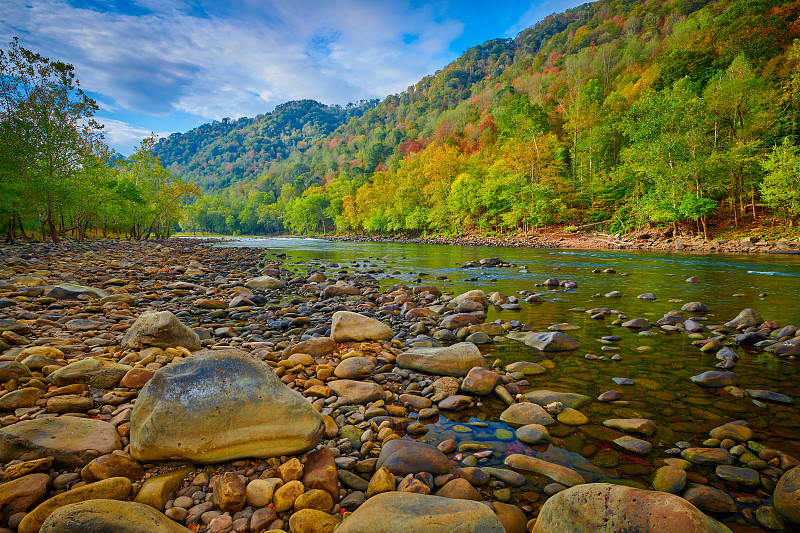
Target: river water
(660, 365)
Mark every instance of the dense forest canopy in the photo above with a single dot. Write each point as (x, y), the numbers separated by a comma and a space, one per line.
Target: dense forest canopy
(628, 113)
(56, 174)
(633, 112)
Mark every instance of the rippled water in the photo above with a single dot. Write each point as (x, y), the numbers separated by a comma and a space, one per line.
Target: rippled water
(662, 392)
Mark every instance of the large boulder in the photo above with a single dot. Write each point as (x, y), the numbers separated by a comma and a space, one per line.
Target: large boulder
(787, 496)
(71, 441)
(475, 295)
(70, 291)
(99, 373)
(348, 326)
(220, 405)
(402, 457)
(525, 413)
(315, 346)
(355, 392)
(115, 488)
(265, 282)
(455, 360)
(101, 516)
(548, 341)
(21, 494)
(161, 329)
(745, 319)
(391, 512)
(607, 508)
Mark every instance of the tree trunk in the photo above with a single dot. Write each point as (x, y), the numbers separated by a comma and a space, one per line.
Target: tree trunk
(52, 225)
(21, 227)
(10, 236)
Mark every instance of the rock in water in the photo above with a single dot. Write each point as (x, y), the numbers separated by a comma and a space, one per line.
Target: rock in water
(348, 326)
(217, 406)
(161, 329)
(745, 319)
(391, 512)
(96, 516)
(716, 378)
(551, 341)
(402, 457)
(787, 495)
(455, 360)
(71, 441)
(606, 508)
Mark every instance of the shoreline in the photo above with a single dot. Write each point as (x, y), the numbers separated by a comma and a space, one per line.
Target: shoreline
(583, 242)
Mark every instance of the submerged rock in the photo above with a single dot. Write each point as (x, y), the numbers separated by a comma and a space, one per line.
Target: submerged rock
(550, 341)
(716, 378)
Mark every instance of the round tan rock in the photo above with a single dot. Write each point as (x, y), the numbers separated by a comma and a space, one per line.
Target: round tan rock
(312, 521)
(259, 491)
(314, 499)
(284, 497)
(109, 515)
(391, 512)
(606, 508)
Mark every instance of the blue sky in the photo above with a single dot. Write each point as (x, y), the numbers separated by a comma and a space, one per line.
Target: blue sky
(170, 65)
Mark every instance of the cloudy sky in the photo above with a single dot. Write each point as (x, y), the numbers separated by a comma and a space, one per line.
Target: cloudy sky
(169, 65)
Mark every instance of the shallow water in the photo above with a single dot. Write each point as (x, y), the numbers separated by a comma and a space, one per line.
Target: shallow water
(662, 391)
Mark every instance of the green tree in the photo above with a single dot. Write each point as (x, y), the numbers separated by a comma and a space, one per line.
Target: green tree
(781, 186)
(47, 130)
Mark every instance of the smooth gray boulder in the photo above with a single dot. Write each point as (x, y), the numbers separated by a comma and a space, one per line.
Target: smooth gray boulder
(161, 329)
(745, 319)
(548, 341)
(716, 378)
(220, 405)
(348, 326)
(98, 373)
(71, 441)
(71, 291)
(265, 282)
(455, 360)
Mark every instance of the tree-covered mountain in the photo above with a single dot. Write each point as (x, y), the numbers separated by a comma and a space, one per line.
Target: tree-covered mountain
(636, 112)
(220, 153)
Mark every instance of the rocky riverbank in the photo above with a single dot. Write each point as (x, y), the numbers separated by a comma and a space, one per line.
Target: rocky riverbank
(170, 386)
(586, 241)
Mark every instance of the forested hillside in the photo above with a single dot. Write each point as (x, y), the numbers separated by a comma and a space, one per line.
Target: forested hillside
(220, 153)
(676, 114)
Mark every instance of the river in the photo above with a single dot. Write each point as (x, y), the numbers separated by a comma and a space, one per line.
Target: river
(660, 365)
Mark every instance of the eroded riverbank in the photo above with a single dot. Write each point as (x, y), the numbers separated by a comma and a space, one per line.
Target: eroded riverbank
(622, 408)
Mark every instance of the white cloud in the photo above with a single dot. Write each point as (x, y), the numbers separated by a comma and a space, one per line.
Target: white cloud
(123, 136)
(234, 58)
(539, 11)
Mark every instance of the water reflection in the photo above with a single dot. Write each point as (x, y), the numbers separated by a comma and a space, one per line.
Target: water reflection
(660, 365)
